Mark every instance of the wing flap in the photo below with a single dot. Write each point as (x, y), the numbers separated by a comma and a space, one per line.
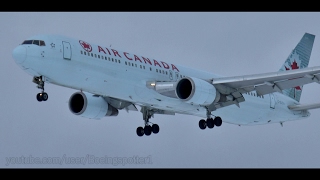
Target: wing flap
(271, 82)
(131, 107)
(281, 85)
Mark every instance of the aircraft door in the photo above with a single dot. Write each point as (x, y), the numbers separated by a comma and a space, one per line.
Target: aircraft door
(272, 101)
(173, 76)
(176, 76)
(66, 50)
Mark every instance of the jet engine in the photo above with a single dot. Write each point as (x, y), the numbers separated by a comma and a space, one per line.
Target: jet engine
(196, 91)
(90, 106)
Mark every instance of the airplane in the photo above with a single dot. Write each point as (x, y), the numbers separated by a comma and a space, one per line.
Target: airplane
(108, 80)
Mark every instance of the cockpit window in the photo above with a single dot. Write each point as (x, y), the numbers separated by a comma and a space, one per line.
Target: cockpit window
(27, 42)
(42, 43)
(36, 42)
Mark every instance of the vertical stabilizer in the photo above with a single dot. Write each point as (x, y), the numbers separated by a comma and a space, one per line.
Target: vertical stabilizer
(298, 59)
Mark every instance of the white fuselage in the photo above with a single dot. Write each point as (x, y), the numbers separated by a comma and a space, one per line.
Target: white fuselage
(109, 72)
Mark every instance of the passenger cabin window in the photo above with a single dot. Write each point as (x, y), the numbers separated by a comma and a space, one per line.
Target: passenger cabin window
(36, 42)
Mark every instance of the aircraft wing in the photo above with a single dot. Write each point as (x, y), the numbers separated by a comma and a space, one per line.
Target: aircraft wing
(266, 83)
(232, 88)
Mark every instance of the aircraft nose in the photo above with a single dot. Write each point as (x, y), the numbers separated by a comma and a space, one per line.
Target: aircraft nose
(19, 54)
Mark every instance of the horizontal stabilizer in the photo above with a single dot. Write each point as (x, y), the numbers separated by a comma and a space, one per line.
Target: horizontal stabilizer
(304, 107)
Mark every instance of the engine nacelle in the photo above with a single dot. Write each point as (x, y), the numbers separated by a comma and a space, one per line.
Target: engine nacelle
(90, 106)
(196, 91)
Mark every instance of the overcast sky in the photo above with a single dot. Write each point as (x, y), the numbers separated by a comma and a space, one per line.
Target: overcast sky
(225, 43)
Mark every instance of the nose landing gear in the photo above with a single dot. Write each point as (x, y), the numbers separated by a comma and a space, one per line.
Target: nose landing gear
(43, 96)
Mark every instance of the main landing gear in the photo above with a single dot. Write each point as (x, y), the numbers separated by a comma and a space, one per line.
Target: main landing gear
(147, 129)
(210, 122)
(43, 96)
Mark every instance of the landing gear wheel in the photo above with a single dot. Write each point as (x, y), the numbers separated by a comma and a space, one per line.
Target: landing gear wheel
(39, 80)
(217, 121)
(155, 128)
(210, 123)
(44, 96)
(140, 131)
(39, 98)
(147, 130)
(202, 124)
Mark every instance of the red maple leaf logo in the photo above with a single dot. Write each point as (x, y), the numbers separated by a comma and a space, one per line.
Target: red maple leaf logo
(294, 66)
(86, 46)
